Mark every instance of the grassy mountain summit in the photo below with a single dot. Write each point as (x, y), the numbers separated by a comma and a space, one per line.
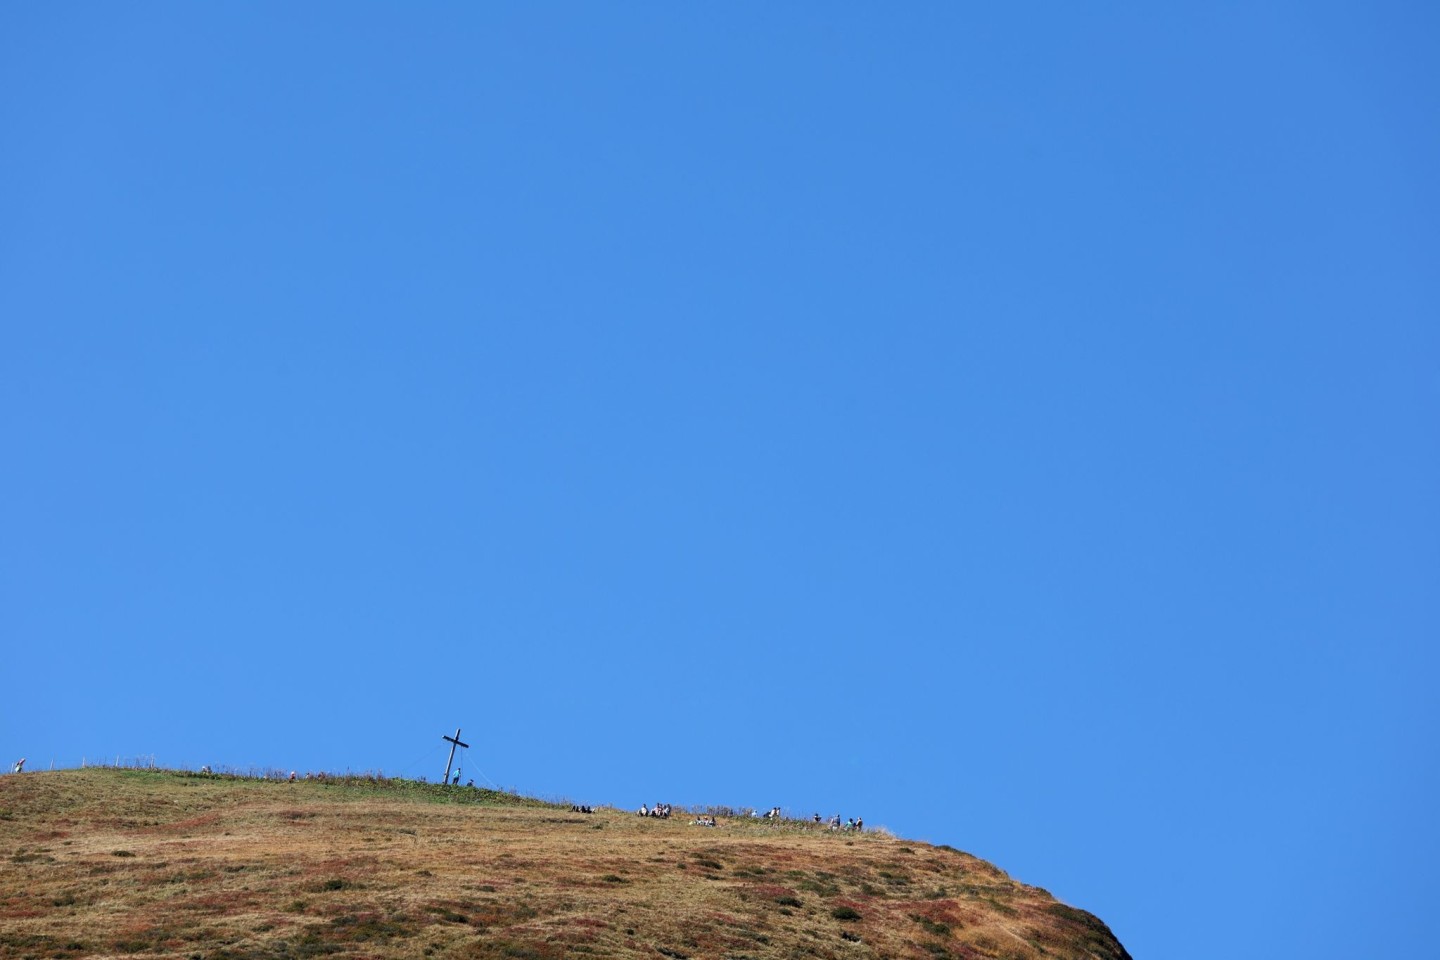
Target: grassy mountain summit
(109, 863)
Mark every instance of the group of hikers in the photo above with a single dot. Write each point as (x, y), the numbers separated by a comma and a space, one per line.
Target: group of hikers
(581, 808)
(854, 823)
(662, 811)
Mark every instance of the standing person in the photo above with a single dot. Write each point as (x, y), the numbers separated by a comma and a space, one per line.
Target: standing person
(19, 765)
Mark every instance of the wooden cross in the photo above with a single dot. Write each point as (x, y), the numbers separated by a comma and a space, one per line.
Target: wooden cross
(454, 742)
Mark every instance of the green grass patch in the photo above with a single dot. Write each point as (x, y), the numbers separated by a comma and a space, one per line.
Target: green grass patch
(932, 926)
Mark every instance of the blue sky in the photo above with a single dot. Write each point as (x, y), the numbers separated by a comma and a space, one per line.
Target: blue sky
(1013, 425)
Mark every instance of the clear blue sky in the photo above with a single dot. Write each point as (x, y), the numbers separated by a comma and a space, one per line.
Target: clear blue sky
(1017, 424)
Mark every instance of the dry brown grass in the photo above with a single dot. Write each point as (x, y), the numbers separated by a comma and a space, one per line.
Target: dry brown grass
(109, 863)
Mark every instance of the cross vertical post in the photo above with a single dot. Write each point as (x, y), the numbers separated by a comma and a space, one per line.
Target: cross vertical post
(454, 742)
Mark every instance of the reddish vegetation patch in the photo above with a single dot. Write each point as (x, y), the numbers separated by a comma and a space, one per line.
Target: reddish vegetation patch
(947, 912)
(182, 826)
(589, 922)
(214, 904)
(581, 935)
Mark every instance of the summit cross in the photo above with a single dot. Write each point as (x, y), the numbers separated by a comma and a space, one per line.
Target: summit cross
(454, 742)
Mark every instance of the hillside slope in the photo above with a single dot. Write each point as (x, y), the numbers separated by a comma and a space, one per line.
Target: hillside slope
(100, 863)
